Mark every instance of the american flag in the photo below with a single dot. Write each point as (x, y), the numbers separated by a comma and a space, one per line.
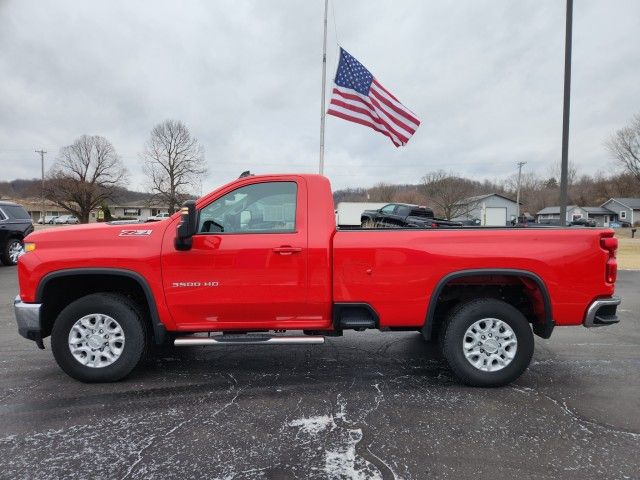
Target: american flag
(360, 98)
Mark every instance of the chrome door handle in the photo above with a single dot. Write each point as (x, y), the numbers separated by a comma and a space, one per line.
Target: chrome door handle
(287, 250)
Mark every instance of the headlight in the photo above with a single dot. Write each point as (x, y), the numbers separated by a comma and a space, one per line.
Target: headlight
(29, 247)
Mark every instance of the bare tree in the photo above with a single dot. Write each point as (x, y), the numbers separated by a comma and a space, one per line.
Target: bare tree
(409, 195)
(624, 145)
(555, 171)
(448, 193)
(173, 161)
(85, 174)
(382, 192)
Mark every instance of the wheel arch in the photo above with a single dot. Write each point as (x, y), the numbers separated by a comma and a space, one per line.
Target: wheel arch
(93, 280)
(532, 284)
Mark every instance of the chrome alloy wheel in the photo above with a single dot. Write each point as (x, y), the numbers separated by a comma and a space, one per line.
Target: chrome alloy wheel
(96, 340)
(15, 250)
(489, 344)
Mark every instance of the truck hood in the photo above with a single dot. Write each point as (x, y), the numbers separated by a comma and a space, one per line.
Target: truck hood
(97, 232)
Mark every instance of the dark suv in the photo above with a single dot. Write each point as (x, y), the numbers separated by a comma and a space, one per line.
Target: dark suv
(15, 224)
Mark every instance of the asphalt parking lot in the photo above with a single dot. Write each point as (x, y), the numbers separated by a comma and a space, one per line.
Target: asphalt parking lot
(367, 405)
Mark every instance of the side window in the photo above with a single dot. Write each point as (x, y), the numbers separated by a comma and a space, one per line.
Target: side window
(403, 211)
(268, 207)
(388, 209)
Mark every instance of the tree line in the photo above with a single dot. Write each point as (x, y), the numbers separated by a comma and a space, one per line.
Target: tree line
(90, 171)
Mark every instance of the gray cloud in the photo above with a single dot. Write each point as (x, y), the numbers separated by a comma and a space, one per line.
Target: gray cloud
(485, 77)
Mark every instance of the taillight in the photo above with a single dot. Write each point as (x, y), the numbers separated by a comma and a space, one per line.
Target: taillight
(434, 225)
(609, 243)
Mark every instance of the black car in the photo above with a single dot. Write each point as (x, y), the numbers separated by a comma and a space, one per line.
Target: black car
(583, 222)
(15, 224)
(403, 215)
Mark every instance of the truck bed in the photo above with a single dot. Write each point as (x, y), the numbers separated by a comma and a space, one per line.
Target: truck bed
(396, 271)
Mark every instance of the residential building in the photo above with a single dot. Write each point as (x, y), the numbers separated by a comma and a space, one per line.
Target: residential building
(613, 211)
(626, 209)
(574, 212)
(492, 209)
(138, 210)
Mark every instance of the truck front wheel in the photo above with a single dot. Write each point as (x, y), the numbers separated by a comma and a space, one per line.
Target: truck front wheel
(487, 342)
(99, 338)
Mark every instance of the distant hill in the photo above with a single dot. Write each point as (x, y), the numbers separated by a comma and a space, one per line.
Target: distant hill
(23, 189)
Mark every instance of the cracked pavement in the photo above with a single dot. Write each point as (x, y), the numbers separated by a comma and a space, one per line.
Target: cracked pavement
(367, 405)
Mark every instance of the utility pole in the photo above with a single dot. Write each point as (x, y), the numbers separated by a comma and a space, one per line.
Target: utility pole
(520, 165)
(324, 82)
(565, 115)
(42, 152)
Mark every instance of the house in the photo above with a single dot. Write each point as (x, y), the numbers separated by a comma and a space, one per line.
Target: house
(614, 210)
(552, 214)
(602, 216)
(625, 209)
(493, 209)
(139, 210)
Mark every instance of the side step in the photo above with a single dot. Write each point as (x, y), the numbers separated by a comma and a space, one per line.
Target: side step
(224, 340)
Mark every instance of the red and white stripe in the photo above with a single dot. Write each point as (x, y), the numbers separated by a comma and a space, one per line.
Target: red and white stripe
(380, 110)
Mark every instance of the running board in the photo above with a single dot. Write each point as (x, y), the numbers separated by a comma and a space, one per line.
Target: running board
(220, 340)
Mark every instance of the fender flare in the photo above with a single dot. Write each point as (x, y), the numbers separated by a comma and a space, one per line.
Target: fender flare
(542, 329)
(159, 330)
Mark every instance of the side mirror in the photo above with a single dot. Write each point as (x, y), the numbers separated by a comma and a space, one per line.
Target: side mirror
(187, 227)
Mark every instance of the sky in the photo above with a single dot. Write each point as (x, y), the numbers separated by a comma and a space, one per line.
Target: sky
(485, 77)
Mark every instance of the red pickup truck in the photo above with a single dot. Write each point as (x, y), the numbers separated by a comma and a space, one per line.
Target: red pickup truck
(261, 257)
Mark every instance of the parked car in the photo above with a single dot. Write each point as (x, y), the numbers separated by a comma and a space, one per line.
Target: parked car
(471, 222)
(66, 219)
(158, 217)
(261, 257)
(49, 219)
(583, 222)
(403, 215)
(554, 222)
(15, 224)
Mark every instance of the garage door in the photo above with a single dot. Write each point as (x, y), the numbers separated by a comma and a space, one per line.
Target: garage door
(495, 216)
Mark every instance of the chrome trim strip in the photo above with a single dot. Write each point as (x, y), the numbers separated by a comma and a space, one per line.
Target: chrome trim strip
(290, 340)
(590, 317)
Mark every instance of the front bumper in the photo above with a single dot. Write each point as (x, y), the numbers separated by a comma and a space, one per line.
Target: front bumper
(602, 312)
(28, 320)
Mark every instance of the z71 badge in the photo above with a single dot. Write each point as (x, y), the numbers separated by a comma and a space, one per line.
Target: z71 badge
(134, 233)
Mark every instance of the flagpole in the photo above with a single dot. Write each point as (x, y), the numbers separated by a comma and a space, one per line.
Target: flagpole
(324, 86)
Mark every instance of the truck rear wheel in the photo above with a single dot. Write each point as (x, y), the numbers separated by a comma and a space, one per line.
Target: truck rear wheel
(487, 342)
(99, 338)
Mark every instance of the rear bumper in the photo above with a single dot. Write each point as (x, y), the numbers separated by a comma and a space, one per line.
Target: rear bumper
(602, 312)
(28, 320)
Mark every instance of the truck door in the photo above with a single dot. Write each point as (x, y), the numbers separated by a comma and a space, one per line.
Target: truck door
(247, 267)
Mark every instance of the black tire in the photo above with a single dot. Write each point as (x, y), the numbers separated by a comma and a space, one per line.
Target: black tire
(453, 333)
(120, 308)
(5, 254)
